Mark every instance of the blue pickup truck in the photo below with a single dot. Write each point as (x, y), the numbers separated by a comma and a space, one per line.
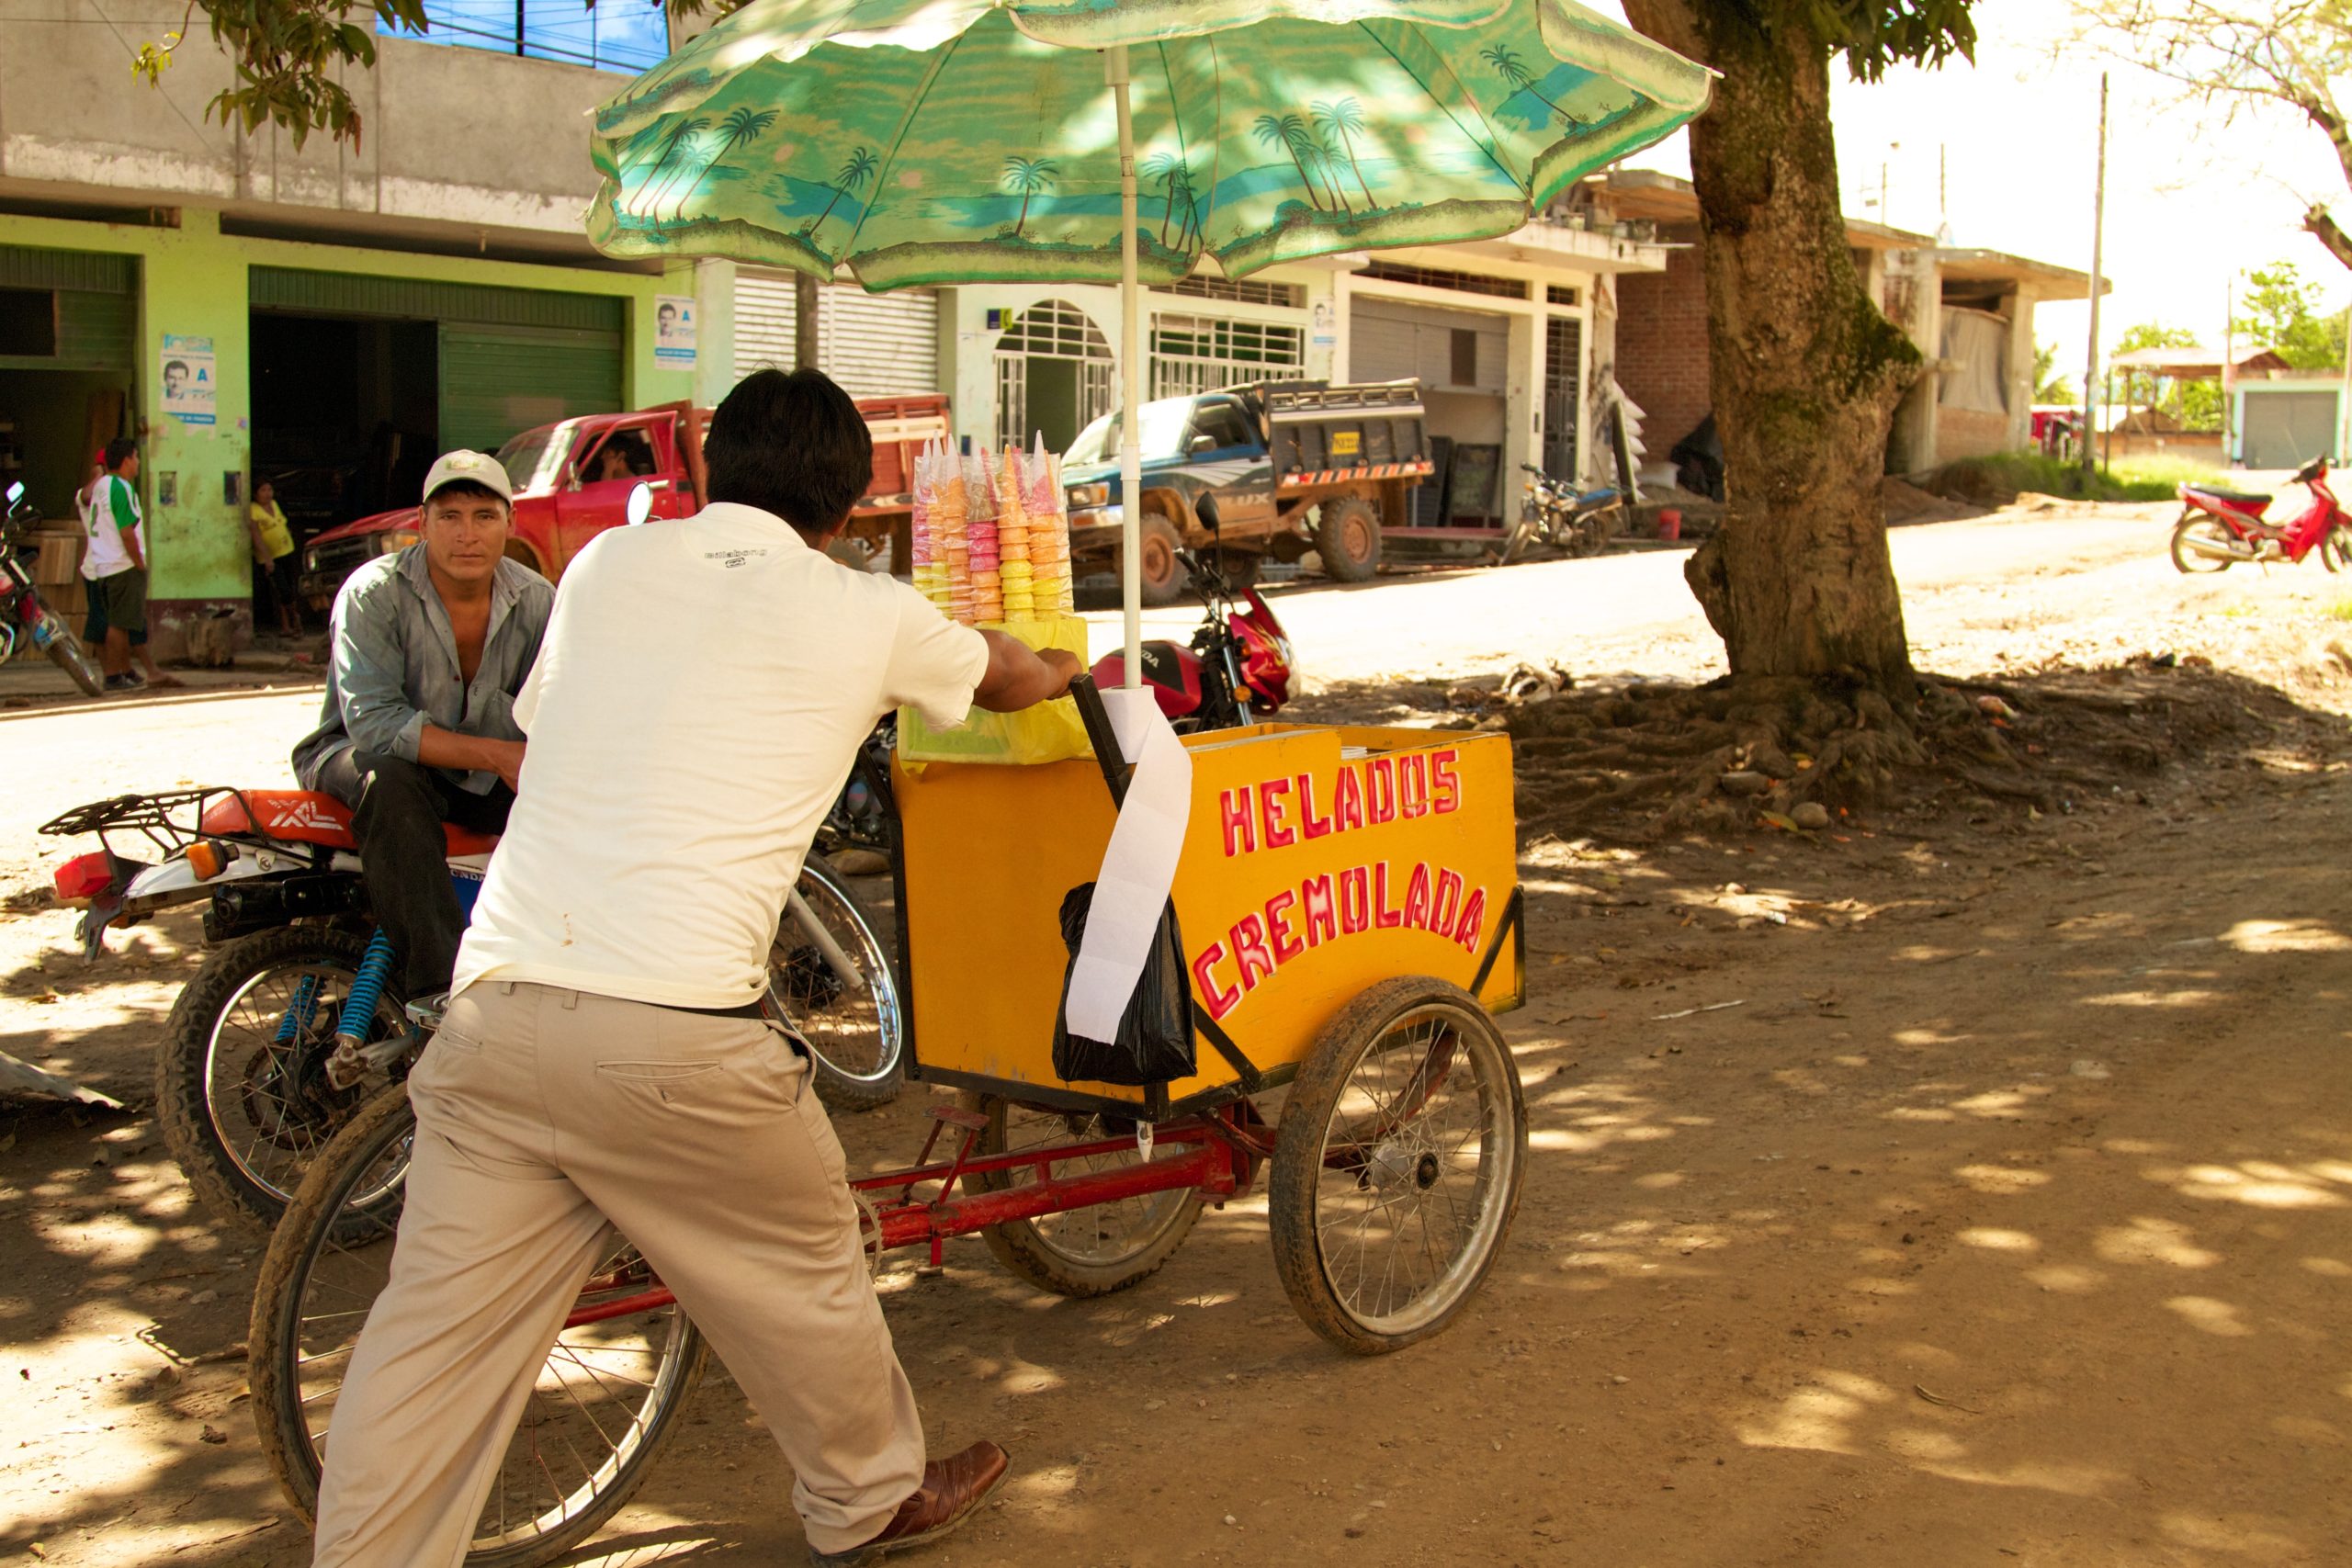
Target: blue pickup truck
(1272, 470)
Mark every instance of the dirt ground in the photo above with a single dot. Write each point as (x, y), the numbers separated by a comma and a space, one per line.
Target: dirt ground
(1971, 1187)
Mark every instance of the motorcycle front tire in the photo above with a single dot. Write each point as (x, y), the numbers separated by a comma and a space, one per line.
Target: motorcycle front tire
(75, 659)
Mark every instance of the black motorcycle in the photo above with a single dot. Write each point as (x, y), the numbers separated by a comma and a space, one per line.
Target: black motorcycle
(1554, 514)
(26, 619)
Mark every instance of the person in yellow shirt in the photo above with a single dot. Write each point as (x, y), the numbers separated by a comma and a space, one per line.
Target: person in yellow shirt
(274, 553)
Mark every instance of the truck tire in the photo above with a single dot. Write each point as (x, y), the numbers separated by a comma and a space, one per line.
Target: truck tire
(1164, 576)
(1349, 539)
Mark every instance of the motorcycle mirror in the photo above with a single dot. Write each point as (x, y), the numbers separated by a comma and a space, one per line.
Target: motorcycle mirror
(15, 493)
(640, 503)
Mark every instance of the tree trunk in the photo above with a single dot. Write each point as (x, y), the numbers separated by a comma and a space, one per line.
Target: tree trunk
(1805, 370)
(804, 322)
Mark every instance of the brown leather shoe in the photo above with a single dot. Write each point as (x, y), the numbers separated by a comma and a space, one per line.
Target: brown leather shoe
(953, 1490)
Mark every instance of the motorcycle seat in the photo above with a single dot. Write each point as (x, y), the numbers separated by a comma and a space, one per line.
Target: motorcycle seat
(306, 816)
(2234, 497)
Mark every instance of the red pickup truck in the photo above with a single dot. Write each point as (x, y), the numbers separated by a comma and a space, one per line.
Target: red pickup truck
(572, 481)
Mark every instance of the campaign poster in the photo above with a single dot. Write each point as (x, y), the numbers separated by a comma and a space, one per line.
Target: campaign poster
(190, 378)
(673, 332)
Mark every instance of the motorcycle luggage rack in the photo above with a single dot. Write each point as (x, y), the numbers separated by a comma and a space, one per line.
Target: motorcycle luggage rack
(170, 820)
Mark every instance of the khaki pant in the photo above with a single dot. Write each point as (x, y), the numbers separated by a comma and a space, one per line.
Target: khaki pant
(541, 1114)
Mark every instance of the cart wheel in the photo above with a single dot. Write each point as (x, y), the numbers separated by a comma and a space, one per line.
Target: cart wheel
(1398, 1167)
(1084, 1252)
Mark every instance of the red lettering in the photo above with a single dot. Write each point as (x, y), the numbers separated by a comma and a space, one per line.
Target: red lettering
(1249, 936)
(1309, 824)
(1412, 784)
(1445, 785)
(1240, 823)
(1382, 915)
(1380, 790)
(1355, 900)
(1273, 801)
(1347, 807)
(1445, 904)
(1417, 896)
(1221, 998)
(1286, 943)
(1319, 909)
(1474, 920)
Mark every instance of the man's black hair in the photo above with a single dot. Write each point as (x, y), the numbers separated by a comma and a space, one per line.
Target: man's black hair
(794, 445)
(466, 490)
(118, 452)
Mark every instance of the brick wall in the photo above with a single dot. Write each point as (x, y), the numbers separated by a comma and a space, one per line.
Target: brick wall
(1970, 433)
(1662, 342)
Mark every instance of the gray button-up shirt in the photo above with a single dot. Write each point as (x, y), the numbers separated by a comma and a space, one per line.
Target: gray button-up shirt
(394, 669)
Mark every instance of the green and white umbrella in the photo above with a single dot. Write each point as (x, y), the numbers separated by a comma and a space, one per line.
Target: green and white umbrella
(945, 142)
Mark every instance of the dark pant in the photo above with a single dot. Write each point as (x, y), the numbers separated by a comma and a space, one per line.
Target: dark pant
(398, 808)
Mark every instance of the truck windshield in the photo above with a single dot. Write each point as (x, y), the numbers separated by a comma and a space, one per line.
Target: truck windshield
(522, 457)
(1160, 435)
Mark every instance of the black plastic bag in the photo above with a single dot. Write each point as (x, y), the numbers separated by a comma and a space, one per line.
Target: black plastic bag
(1155, 1043)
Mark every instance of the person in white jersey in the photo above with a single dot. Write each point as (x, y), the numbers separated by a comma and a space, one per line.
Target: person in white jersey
(698, 701)
(115, 565)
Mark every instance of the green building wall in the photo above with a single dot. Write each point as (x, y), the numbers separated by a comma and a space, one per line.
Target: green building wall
(194, 283)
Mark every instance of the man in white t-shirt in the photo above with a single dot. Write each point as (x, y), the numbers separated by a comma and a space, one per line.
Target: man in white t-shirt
(698, 700)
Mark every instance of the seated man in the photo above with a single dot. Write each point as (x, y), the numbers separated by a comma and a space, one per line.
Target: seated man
(428, 646)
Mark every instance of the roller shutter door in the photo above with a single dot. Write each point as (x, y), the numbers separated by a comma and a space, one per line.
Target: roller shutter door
(94, 303)
(2286, 429)
(1389, 340)
(875, 345)
(498, 381)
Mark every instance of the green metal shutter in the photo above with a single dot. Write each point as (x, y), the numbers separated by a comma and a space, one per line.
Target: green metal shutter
(498, 381)
(97, 316)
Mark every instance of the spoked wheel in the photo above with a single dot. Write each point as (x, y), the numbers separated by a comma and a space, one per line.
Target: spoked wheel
(1081, 1252)
(75, 659)
(2336, 549)
(241, 1089)
(605, 1397)
(1524, 535)
(852, 1020)
(1398, 1167)
(2194, 537)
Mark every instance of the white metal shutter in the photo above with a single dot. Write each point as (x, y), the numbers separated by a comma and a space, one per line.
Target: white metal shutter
(763, 321)
(1389, 340)
(879, 345)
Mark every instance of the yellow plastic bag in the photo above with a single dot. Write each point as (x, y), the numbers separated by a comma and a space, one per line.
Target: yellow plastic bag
(1050, 732)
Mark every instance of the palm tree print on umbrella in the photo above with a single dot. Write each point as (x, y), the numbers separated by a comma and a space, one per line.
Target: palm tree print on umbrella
(680, 134)
(741, 127)
(1168, 170)
(1342, 123)
(1510, 68)
(1028, 175)
(855, 169)
(1289, 133)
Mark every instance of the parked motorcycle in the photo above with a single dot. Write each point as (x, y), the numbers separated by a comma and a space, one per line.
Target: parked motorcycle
(1552, 514)
(294, 1019)
(2219, 528)
(1238, 669)
(26, 619)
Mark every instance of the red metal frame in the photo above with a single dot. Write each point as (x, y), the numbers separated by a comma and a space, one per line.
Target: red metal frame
(1219, 1158)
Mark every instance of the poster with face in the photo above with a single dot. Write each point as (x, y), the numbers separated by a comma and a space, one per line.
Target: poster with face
(673, 332)
(189, 379)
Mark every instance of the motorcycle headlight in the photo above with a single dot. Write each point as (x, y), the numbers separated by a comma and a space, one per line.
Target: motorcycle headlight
(1090, 495)
(395, 539)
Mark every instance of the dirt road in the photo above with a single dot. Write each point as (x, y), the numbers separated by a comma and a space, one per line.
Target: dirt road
(2006, 1218)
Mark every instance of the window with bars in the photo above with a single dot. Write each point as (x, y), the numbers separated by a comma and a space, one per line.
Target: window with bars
(1201, 353)
(1439, 277)
(1238, 291)
(1053, 374)
(1562, 294)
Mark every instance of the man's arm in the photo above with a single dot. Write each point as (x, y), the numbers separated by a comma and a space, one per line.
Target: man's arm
(370, 671)
(126, 520)
(1020, 677)
(439, 748)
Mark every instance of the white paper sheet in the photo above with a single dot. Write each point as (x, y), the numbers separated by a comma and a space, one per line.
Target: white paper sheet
(1138, 867)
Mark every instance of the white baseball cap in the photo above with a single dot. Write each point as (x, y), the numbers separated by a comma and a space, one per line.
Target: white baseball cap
(462, 467)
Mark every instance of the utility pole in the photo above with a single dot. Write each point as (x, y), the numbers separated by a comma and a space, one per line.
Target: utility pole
(2228, 365)
(2098, 282)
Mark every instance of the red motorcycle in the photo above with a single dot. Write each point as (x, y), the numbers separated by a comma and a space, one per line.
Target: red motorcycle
(2219, 528)
(1237, 670)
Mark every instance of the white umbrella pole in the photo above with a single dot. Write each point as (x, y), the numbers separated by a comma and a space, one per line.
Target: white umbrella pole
(1131, 352)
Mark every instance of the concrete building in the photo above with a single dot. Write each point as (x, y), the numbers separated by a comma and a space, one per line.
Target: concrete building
(1970, 312)
(328, 316)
